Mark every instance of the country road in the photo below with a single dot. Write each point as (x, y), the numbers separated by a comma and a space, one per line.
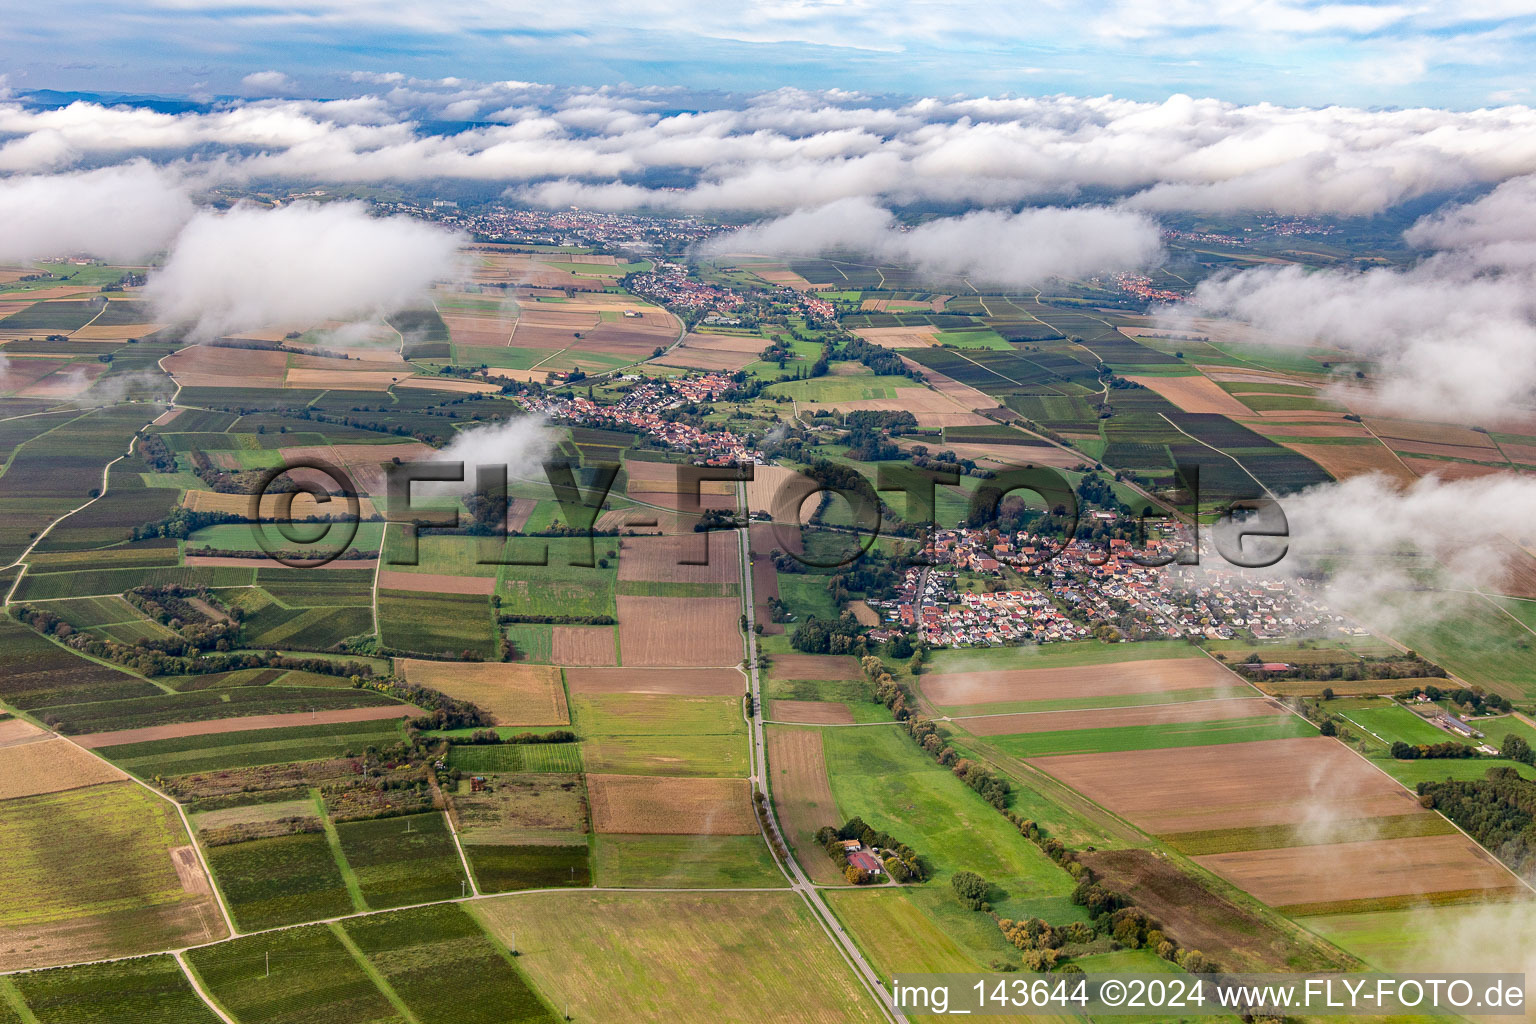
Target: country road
(798, 881)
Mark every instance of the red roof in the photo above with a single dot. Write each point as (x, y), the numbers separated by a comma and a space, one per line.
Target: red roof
(864, 859)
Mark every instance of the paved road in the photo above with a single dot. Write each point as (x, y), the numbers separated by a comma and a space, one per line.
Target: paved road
(798, 881)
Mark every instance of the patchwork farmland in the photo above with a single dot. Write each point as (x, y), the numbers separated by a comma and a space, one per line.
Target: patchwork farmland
(584, 751)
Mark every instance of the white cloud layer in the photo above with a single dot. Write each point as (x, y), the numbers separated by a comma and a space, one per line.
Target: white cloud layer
(988, 247)
(121, 213)
(780, 151)
(1454, 335)
(249, 268)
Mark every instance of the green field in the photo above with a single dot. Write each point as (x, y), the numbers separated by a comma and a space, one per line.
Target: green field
(534, 642)
(1411, 773)
(153, 988)
(1114, 700)
(1058, 655)
(683, 958)
(1477, 642)
(1392, 722)
(436, 623)
(559, 588)
(1495, 937)
(1497, 728)
(506, 868)
(443, 554)
(683, 862)
(295, 976)
(883, 777)
(516, 757)
(807, 596)
(1153, 737)
(650, 734)
(444, 969)
(284, 880)
(222, 751)
(402, 861)
(852, 388)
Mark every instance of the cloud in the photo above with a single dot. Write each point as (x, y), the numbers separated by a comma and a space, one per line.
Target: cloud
(789, 149)
(521, 444)
(123, 213)
(1395, 555)
(249, 268)
(1453, 336)
(268, 83)
(986, 246)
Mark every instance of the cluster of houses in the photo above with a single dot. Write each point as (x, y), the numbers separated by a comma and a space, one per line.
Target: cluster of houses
(928, 605)
(669, 284)
(1086, 585)
(1140, 286)
(571, 226)
(642, 410)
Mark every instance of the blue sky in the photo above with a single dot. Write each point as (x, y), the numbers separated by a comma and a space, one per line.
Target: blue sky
(1359, 54)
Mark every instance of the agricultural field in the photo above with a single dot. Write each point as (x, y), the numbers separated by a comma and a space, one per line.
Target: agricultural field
(516, 808)
(436, 623)
(661, 734)
(1023, 689)
(62, 908)
(679, 958)
(685, 862)
(235, 750)
(39, 673)
(880, 775)
(680, 631)
(268, 843)
(512, 694)
(516, 757)
(417, 955)
(279, 881)
(216, 704)
(295, 976)
(504, 868)
(400, 861)
(802, 796)
(152, 988)
(38, 765)
(656, 805)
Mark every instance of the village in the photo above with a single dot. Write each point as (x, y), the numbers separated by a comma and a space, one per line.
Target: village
(1088, 590)
(642, 410)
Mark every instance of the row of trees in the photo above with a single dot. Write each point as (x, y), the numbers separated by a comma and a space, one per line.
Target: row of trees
(1424, 751)
(443, 712)
(490, 737)
(1472, 698)
(993, 788)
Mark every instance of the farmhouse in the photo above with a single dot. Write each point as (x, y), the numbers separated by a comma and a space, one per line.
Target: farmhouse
(862, 858)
